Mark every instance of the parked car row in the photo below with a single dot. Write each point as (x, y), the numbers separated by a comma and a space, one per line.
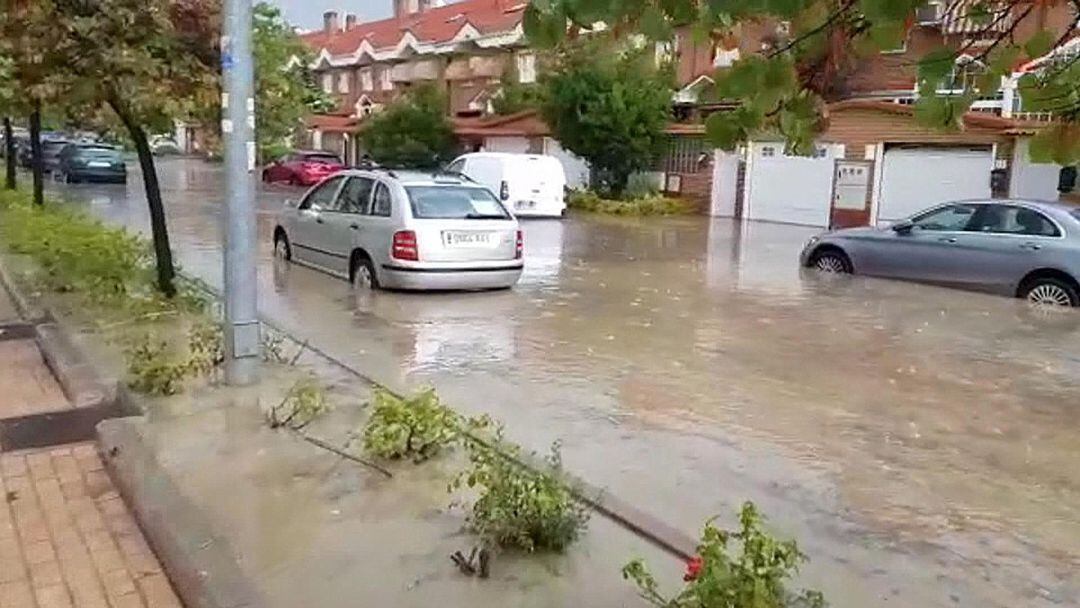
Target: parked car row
(529, 184)
(75, 160)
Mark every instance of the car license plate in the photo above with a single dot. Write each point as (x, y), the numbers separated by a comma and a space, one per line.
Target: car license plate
(525, 204)
(468, 239)
(97, 164)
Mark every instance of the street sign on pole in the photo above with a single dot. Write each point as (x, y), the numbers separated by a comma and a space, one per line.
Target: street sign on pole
(237, 129)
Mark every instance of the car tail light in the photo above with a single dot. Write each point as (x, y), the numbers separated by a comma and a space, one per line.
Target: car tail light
(404, 247)
(504, 190)
(520, 250)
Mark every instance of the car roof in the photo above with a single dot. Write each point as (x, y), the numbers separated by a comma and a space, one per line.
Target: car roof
(413, 177)
(316, 153)
(507, 155)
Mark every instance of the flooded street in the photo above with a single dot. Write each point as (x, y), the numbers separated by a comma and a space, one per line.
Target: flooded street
(921, 443)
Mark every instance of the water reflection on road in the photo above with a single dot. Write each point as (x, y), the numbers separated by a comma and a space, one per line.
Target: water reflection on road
(922, 443)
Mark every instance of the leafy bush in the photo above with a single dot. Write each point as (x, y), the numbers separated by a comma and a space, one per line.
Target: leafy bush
(755, 578)
(641, 185)
(206, 343)
(305, 401)
(411, 132)
(152, 368)
(650, 205)
(76, 253)
(519, 507)
(417, 427)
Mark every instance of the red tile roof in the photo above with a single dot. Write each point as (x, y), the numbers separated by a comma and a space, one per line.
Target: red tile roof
(438, 24)
(332, 123)
(522, 123)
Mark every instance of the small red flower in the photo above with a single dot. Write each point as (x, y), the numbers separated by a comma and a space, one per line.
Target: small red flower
(693, 568)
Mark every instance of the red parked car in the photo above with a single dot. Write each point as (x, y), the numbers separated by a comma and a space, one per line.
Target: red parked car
(303, 167)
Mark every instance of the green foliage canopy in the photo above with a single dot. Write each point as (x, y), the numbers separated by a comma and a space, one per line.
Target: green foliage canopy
(411, 132)
(609, 107)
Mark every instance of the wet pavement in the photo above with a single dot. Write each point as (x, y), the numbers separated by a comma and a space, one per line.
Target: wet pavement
(921, 443)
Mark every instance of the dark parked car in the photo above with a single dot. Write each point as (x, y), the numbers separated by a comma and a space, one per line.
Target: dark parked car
(50, 153)
(1019, 248)
(90, 163)
(303, 167)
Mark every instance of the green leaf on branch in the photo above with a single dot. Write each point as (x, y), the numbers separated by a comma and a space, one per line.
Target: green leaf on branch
(544, 28)
(1039, 44)
(935, 67)
(1059, 143)
(654, 24)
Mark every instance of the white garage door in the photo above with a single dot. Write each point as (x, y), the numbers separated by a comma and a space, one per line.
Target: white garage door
(913, 179)
(514, 145)
(791, 189)
(575, 167)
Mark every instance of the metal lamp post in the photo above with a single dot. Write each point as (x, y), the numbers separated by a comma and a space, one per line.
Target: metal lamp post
(238, 128)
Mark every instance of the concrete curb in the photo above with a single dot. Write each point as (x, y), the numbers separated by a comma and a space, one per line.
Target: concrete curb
(92, 398)
(26, 310)
(80, 381)
(202, 566)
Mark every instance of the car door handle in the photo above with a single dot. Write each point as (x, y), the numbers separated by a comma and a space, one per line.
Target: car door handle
(1031, 246)
(949, 239)
(318, 219)
(354, 226)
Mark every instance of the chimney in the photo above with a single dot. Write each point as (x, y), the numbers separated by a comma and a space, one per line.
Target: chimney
(403, 8)
(330, 22)
(350, 21)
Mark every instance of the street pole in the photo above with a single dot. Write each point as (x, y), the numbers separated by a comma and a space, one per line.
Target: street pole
(237, 128)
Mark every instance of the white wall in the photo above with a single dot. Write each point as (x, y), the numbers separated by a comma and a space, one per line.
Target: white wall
(790, 189)
(515, 145)
(576, 168)
(1032, 180)
(725, 175)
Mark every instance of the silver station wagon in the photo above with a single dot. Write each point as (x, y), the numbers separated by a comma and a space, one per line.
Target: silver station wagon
(403, 230)
(1019, 248)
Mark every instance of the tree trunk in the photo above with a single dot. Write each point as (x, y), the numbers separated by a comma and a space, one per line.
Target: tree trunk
(9, 154)
(36, 161)
(162, 253)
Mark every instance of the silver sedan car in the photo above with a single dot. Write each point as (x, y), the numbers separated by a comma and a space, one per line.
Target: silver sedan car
(1018, 248)
(403, 230)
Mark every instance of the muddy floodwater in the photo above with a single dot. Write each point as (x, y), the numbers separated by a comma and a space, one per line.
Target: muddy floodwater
(922, 444)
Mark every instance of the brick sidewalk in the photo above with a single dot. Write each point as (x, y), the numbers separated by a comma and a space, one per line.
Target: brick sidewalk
(67, 538)
(29, 386)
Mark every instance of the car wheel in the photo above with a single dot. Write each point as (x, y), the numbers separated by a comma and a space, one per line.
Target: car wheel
(363, 275)
(282, 251)
(1051, 292)
(831, 261)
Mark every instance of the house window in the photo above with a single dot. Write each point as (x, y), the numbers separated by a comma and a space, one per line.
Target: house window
(667, 51)
(328, 82)
(365, 80)
(768, 151)
(526, 67)
(343, 82)
(965, 75)
(724, 58)
(384, 79)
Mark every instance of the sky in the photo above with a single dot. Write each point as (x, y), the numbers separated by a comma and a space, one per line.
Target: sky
(308, 13)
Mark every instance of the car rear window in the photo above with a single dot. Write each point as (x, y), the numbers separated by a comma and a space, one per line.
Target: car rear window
(98, 152)
(455, 202)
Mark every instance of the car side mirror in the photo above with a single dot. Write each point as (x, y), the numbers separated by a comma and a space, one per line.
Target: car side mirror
(904, 227)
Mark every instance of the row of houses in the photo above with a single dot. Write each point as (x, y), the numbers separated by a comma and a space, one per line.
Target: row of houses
(873, 163)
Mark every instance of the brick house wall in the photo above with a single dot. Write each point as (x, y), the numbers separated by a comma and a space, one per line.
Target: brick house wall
(858, 128)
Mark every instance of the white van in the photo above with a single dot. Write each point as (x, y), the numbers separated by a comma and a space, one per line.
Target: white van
(529, 184)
